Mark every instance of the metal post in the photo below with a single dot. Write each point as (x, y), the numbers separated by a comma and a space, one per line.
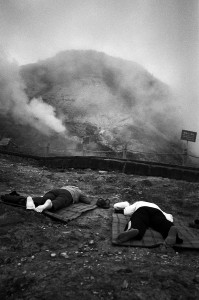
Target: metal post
(47, 149)
(83, 149)
(124, 151)
(187, 158)
(185, 155)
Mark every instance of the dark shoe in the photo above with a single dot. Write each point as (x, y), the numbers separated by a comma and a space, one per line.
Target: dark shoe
(103, 203)
(14, 193)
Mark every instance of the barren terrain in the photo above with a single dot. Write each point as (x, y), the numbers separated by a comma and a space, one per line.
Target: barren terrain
(41, 258)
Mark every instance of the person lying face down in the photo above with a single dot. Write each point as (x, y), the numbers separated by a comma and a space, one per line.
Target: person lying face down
(143, 215)
(56, 199)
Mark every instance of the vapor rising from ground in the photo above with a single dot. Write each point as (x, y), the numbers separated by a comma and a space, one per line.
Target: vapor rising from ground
(15, 102)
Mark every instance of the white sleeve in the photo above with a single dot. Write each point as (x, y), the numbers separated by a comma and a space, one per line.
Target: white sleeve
(129, 210)
(121, 205)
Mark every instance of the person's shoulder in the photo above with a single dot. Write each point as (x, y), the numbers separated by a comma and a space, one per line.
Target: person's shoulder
(64, 187)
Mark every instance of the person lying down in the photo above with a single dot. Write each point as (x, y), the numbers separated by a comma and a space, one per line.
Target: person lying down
(56, 199)
(143, 215)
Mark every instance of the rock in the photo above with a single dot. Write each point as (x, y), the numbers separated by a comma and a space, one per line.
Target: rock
(103, 172)
(77, 234)
(64, 254)
(125, 284)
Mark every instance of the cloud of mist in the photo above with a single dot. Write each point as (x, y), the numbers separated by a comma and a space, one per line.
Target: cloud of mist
(113, 93)
(15, 102)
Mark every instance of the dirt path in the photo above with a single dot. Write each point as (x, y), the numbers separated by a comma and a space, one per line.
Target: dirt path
(44, 259)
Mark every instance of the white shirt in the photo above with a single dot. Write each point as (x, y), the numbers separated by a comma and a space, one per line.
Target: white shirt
(130, 209)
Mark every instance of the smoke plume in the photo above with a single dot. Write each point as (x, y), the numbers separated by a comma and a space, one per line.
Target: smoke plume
(15, 102)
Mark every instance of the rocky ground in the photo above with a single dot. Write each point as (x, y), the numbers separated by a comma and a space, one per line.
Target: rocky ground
(41, 258)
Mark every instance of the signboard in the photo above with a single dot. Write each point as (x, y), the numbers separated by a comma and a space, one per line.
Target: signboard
(188, 135)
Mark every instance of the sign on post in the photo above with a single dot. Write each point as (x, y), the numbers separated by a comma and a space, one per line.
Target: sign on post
(188, 135)
(86, 140)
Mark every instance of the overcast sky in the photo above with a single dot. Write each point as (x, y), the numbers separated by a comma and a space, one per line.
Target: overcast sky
(161, 35)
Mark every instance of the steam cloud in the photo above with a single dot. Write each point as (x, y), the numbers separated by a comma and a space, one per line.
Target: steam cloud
(14, 101)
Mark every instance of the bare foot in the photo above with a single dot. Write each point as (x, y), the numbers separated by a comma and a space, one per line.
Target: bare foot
(39, 208)
(127, 235)
(45, 206)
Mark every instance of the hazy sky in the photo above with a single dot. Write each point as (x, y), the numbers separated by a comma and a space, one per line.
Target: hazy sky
(162, 35)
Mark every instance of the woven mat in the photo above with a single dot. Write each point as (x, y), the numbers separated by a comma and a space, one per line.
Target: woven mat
(153, 238)
(71, 212)
(65, 214)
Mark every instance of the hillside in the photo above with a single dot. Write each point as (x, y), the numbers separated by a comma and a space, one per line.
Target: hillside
(92, 93)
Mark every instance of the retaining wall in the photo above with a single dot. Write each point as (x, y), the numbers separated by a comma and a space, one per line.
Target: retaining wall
(127, 167)
(121, 165)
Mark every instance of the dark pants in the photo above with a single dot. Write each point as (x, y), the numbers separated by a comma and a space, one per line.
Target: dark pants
(60, 198)
(145, 217)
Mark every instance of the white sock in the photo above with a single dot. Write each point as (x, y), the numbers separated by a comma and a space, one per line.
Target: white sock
(30, 203)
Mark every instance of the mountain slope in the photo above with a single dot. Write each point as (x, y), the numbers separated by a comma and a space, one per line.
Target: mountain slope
(117, 99)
